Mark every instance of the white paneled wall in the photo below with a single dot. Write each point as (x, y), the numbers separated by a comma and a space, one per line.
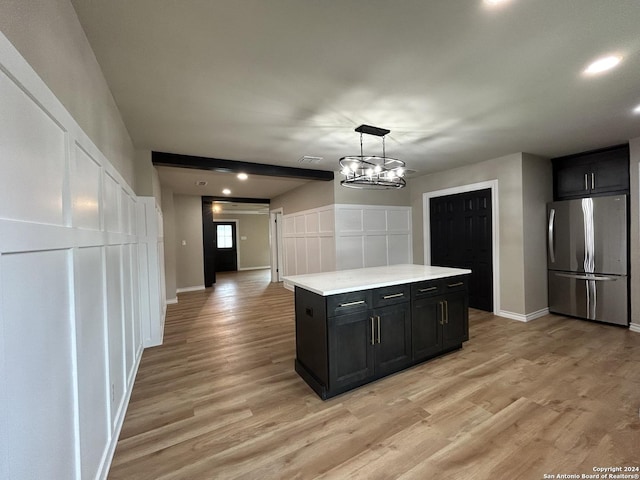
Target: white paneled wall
(70, 279)
(340, 237)
(372, 235)
(309, 241)
(153, 302)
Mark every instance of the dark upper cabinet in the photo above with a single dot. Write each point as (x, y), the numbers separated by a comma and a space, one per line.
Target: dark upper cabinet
(600, 172)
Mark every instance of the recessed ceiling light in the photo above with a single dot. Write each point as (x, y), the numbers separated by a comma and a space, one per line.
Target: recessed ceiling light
(495, 3)
(226, 191)
(637, 110)
(603, 64)
(243, 176)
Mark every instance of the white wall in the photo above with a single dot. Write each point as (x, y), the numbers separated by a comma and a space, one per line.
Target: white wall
(49, 36)
(70, 336)
(309, 241)
(340, 237)
(372, 235)
(169, 227)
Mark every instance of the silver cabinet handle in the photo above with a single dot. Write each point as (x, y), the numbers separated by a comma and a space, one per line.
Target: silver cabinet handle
(395, 295)
(552, 252)
(373, 338)
(441, 312)
(350, 304)
(593, 180)
(430, 289)
(451, 285)
(446, 310)
(378, 317)
(586, 184)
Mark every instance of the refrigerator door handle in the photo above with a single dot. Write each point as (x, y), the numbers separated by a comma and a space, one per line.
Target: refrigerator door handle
(550, 235)
(600, 278)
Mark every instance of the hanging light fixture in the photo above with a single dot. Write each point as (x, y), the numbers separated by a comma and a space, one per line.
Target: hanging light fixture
(372, 171)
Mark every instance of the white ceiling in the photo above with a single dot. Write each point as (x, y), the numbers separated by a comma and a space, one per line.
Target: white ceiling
(456, 82)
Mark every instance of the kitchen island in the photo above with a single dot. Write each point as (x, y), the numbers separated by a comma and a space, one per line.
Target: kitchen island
(356, 326)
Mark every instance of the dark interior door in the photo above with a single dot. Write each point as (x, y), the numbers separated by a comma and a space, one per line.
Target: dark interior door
(461, 237)
(226, 250)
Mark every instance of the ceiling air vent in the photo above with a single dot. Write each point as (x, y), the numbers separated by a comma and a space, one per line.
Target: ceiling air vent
(308, 159)
(201, 183)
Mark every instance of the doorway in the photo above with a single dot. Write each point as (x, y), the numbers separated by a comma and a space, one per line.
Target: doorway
(225, 243)
(461, 234)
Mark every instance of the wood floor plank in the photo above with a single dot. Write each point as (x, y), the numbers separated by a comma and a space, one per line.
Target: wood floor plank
(220, 399)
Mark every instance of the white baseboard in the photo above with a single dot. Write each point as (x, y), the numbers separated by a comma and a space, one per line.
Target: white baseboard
(190, 289)
(635, 327)
(288, 286)
(253, 268)
(524, 318)
(171, 301)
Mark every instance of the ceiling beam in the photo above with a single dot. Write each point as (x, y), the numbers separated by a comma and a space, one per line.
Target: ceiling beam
(232, 166)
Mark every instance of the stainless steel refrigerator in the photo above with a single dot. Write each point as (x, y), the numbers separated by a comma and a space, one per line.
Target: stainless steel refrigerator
(587, 258)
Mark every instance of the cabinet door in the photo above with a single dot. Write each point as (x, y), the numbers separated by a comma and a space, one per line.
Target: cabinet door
(572, 180)
(611, 175)
(456, 319)
(426, 331)
(393, 338)
(351, 359)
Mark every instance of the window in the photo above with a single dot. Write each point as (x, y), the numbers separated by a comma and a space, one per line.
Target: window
(224, 236)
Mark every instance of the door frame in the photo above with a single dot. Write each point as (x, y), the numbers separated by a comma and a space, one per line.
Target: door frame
(495, 244)
(275, 241)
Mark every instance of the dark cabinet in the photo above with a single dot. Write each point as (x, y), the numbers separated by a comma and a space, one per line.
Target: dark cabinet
(440, 318)
(392, 338)
(351, 350)
(426, 332)
(368, 344)
(346, 340)
(600, 172)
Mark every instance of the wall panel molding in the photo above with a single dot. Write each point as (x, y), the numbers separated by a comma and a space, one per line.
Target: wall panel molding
(70, 286)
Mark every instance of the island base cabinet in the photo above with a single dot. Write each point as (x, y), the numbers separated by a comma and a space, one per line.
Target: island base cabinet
(351, 360)
(368, 345)
(439, 324)
(455, 328)
(347, 340)
(426, 332)
(393, 338)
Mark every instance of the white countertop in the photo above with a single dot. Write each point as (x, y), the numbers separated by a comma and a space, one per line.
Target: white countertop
(343, 281)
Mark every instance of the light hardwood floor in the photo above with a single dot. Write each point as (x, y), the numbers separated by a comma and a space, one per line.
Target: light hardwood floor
(220, 399)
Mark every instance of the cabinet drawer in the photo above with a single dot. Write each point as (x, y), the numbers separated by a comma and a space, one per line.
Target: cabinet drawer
(391, 295)
(427, 288)
(453, 284)
(351, 302)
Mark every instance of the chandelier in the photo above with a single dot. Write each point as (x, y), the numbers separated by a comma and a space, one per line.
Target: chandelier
(372, 171)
